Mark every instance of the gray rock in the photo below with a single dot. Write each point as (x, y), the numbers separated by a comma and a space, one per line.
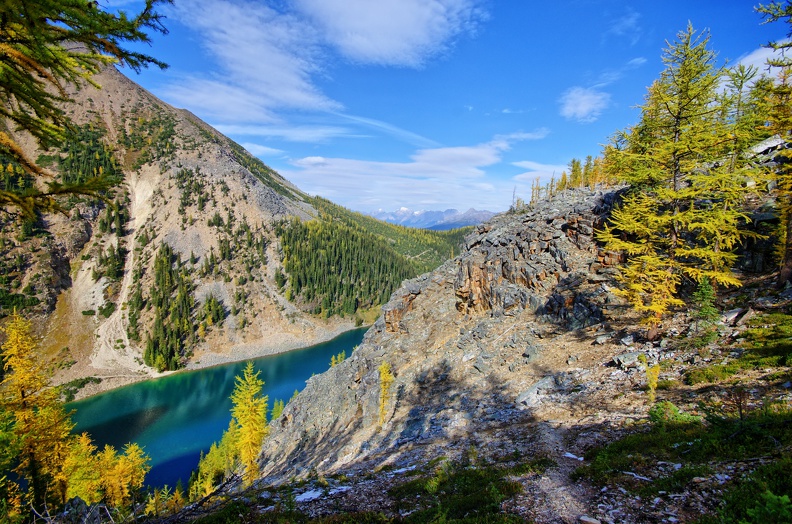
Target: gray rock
(530, 353)
(729, 317)
(482, 366)
(532, 396)
(627, 360)
(628, 340)
(602, 339)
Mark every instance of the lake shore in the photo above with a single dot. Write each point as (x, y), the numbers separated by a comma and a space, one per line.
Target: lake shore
(272, 345)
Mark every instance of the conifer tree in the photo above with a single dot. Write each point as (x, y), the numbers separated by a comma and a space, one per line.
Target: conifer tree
(277, 410)
(81, 469)
(44, 46)
(40, 426)
(249, 412)
(779, 98)
(386, 380)
(682, 218)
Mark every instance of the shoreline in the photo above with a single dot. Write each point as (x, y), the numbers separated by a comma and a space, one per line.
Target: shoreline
(238, 353)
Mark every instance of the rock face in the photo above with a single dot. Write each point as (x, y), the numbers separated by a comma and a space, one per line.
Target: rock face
(470, 345)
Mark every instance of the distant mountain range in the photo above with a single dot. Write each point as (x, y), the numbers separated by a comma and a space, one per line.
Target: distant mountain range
(437, 220)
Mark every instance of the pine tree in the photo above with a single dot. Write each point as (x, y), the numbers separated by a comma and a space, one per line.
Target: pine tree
(249, 412)
(82, 472)
(277, 410)
(122, 475)
(44, 46)
(10, 496)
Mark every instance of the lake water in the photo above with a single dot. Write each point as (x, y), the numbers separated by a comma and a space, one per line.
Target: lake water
(175, 418)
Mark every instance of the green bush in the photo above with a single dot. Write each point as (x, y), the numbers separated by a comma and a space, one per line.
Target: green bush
(664, 413)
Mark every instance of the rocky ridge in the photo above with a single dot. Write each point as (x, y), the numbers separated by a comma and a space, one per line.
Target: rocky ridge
(480, 351)
(516, 350)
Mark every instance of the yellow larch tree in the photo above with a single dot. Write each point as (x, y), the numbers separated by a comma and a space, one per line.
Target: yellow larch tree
(249, 411)
(41, 427)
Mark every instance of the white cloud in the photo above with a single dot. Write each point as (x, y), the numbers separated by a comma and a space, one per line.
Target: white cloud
(391, 32)
(583, 104)
(267, 59)
(626, 26)
(538, 170)
(636, 62)
(437, 177)
(758, 58)
(402, 134)
(294, 133)
(259, 150)
(611, 76)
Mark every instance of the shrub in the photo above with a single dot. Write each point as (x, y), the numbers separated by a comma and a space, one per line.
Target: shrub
(665, 412)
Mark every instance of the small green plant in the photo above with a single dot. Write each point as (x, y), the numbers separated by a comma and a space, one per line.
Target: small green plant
(457, 493)
(761, 497)
(665, 413)
(772, 509)
(107, 309)
(704, 301)
(769, 345)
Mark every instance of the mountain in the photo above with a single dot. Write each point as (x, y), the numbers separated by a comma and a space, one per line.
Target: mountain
(437, 220)
(513, 384)
(197, 256)
(465, 343)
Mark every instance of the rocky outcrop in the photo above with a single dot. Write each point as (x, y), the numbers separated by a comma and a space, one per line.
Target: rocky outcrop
(470, 345)
(516, 262)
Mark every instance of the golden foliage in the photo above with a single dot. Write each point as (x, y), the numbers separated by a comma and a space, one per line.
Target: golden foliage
(386, 380)
(250, 413)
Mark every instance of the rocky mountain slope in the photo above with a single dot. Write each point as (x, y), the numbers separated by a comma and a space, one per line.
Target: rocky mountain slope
(171, 160)
(516, 351)
(180, 264)
(485, 353)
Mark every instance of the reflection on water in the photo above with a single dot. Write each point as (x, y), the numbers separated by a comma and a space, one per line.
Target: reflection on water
(177, 417)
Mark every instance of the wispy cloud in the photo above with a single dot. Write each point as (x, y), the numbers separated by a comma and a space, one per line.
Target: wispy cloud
(433, 177)
(586, 104)
(267, 60)
(264, 59)
(583, 104)
(391, 32)
(626, 26)
(407, 136)
(259, 150)
(758, 58)
(292, 133)
(536, 170)
(611, 76)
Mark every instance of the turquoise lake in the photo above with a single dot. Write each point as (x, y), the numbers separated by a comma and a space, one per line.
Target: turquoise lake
(175, 418)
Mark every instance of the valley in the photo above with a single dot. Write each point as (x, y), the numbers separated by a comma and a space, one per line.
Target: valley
(219, 211)
(615, 346)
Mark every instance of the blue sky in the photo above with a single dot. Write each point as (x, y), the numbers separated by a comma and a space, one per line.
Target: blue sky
(428, 104)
